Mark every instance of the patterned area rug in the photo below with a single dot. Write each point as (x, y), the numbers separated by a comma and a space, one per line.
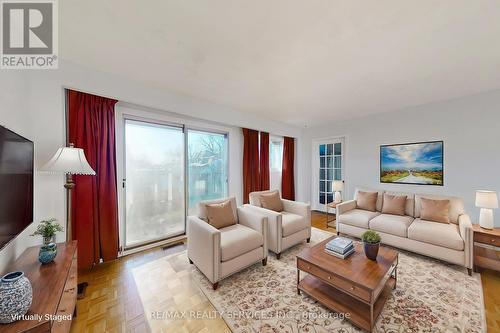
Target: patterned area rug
(431, 296)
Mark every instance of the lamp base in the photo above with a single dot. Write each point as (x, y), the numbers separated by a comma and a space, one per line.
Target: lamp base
(338, 197)
(486, 218)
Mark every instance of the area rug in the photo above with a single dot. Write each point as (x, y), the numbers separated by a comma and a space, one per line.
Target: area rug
(431, 296)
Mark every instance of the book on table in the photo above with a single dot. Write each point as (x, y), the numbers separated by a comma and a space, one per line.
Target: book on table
(338, 255)
(340, 245)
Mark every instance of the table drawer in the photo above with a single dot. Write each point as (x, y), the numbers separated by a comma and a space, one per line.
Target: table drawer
(68, 300)
(333, 280)
(487, 239)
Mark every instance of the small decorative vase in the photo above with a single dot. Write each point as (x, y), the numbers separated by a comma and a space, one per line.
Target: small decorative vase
(16, 295)
(371, 250)
(48, 240)
(47, 253)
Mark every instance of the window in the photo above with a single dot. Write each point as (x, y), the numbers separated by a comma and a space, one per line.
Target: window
(207, 167)
(330, 169)
(275, 162)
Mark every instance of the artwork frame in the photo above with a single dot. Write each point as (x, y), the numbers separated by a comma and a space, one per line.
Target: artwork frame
(412, 163)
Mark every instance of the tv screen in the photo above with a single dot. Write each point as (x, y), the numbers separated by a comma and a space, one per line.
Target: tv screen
(16, 184)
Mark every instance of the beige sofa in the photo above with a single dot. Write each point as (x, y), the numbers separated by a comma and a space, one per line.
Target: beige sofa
(451, 242)
(286, 228)
(219, 253)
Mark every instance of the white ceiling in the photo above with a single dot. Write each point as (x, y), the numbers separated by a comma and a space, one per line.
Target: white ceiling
(303, 62)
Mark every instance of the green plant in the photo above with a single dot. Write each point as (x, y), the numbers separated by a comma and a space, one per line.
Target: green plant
(47, 228)
(371, 237)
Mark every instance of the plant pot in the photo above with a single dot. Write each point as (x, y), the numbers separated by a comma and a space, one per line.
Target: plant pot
(16, 295)
(371, 250)
(47, 253)
(48, 240)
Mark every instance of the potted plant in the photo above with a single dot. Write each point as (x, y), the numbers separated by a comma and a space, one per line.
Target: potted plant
(371, 244)
(47, 229)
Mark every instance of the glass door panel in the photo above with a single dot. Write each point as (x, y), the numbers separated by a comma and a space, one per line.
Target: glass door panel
(154, 186)
(207, 167)
(330, 169)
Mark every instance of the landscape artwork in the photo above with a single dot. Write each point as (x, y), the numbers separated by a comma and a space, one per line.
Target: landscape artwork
(412, 163)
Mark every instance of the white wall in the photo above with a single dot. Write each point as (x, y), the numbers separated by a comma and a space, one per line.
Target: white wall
(470, 128)
(32, 104)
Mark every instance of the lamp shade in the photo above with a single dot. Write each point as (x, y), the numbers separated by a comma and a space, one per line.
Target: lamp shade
(486, 199)
(338, 185)
(69, 160)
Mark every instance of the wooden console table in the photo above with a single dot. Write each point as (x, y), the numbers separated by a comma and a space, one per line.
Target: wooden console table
(486, 248)
(54, 290)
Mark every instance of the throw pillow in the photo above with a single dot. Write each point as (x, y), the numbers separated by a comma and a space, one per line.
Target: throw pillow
(367, 200)
(435, 210)
(394, 204)
(271, 201)
(220, 215)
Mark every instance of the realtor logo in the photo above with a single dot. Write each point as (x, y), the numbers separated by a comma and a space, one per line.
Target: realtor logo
(29, 34)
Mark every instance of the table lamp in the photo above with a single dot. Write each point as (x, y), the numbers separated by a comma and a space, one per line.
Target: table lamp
(487, 201)
(338, 186)
(70, 161)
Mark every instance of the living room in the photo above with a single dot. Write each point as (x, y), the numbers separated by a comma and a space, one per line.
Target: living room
(342, 108)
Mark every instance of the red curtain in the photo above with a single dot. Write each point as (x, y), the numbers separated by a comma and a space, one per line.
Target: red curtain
(251, 175)
(264, 161)
(288, 172)
(95, 206)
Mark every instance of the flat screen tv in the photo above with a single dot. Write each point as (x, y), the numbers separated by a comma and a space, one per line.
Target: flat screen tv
(16, 184)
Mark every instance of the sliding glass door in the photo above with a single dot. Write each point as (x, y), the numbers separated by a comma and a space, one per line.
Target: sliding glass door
(154, 182)
(167, 170)
(207, 167)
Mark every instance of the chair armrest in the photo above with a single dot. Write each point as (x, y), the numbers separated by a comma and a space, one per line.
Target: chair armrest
(203, 245)
(255, 221)
(296, 207)
(345, 206)
(274, 226)
(467, 234)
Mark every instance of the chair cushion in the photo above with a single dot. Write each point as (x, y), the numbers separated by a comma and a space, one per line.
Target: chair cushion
(271, 201)
(367, 200)
(396, 225)
(435, 210)
(292, 223)
(220, 215)
(394, 204)
(357, 217)
(440, 234)
(238, 239)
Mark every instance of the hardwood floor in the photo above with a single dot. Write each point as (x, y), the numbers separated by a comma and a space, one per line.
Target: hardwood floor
(113, 304)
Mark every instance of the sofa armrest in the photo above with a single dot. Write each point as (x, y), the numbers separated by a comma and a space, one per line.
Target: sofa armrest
(467, 234)
(274, 226)
(295, 207)
(345, 206)
(203, 245)
(255, 221)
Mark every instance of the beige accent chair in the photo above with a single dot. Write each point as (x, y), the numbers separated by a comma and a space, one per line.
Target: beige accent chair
(287, 228)
(451, 242)
(218, 253)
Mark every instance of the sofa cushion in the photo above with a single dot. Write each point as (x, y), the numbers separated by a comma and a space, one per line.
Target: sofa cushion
(440, 234)
(396, 225)
(220, 215)
(271, 201)
(410, 202)
(435, 210)
(380, 196)
(292, 223)
(367, 201)
(237, 240)
(456, 205)
(357, 217)
(394, 204)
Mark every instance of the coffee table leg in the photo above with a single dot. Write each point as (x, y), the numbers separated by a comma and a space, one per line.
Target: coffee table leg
(371, 317)
(298, 280)
(395, 277)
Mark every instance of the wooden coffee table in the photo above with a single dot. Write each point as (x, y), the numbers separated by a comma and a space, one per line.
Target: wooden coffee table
(356, 285)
